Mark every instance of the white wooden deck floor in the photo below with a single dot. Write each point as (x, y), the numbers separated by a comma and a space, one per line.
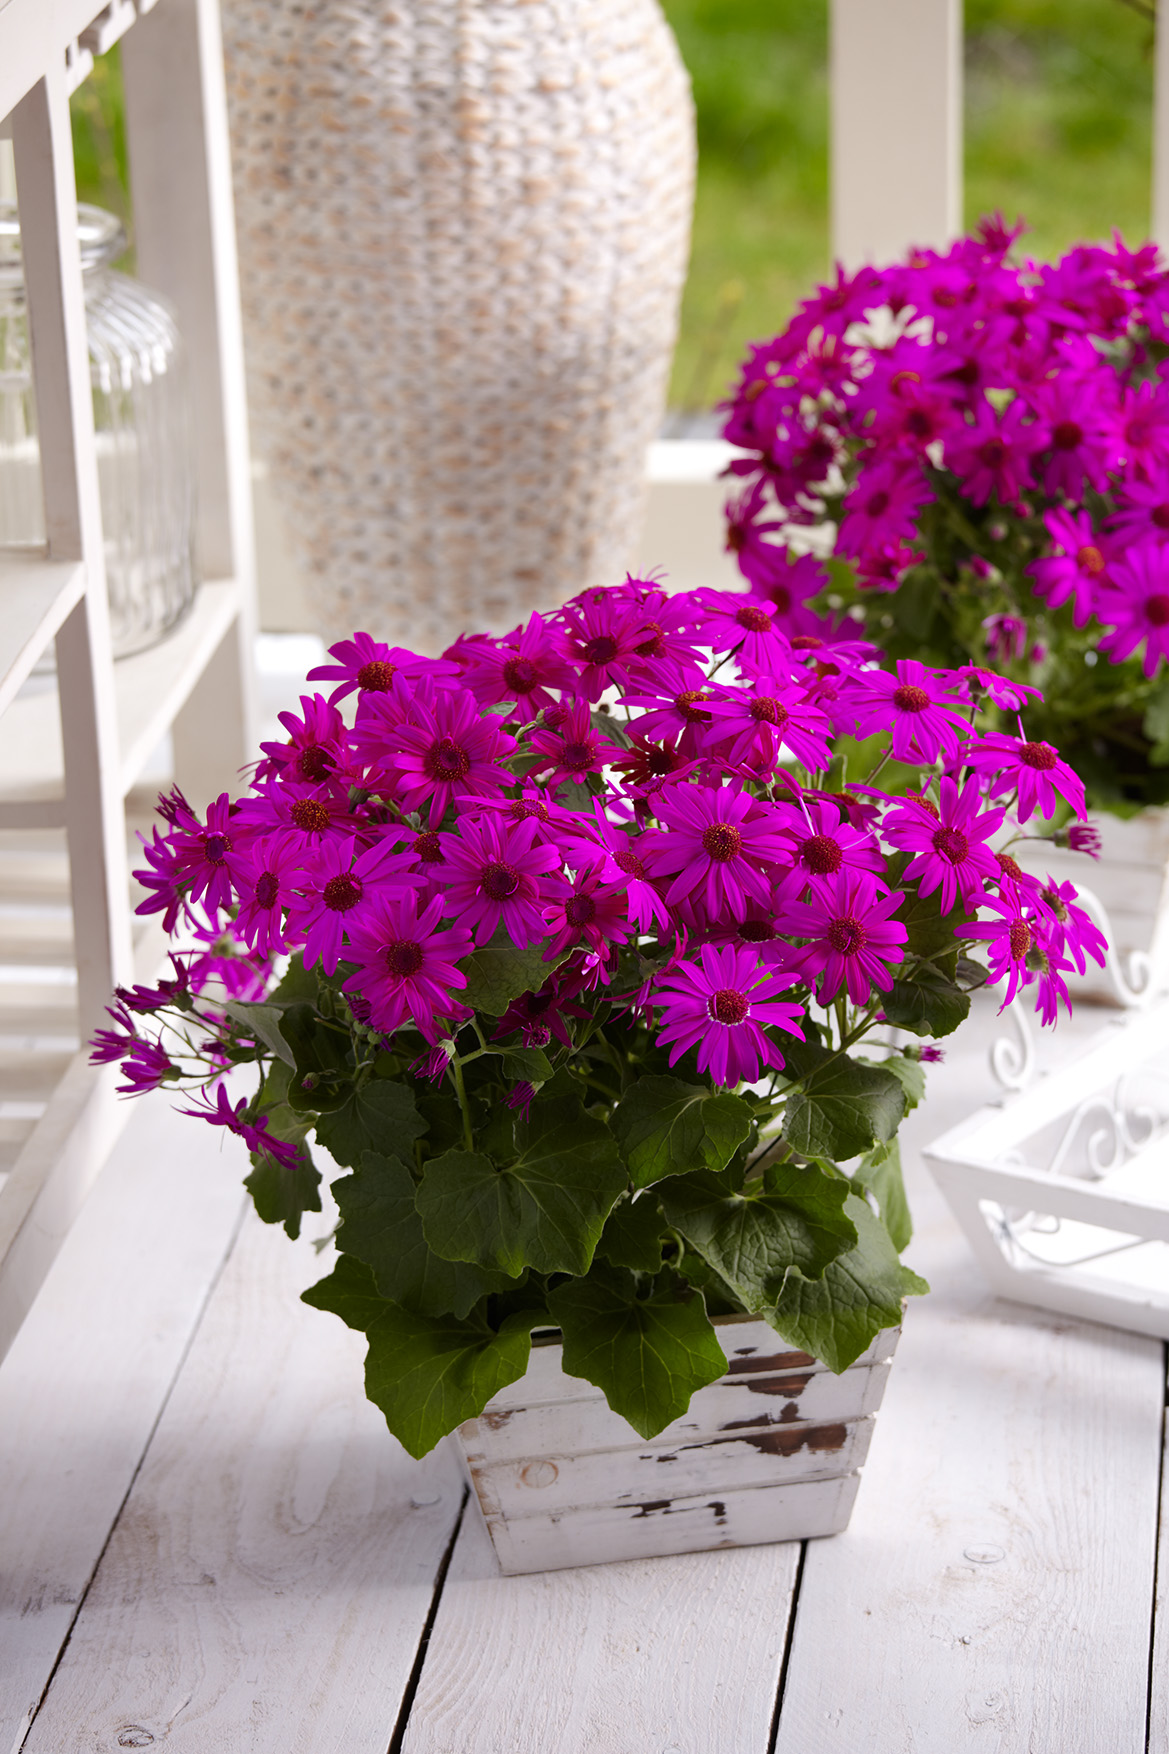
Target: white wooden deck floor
(208, 1540)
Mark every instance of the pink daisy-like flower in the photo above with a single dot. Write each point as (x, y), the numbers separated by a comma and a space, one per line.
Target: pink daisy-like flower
(882, 507)
(1011, 696)
(920, 707)
(1144, 430)
(254, 1134)
(406, 966)
(723, 1005)
(573, 748)
(538, 1017)
(1070, 928)
(948, 844)
(497, 872)
(621, 863)
(444, 749)
(683, 718)
(1008, 937)
(603, 630)
(669, 654)
(1142, 509)
(1034, 768)
(993, 454)
(822, 845)
(1080, 430)
(190, 862)
(306, 811)
(263, 877)
(316, 749)
(719, 842)
(762, 721)
(1135, 605)
(524, 667)
(592, 912)
(368, 666)
(853, 940)
(1077, 569)
(333, 883)
(753, 629)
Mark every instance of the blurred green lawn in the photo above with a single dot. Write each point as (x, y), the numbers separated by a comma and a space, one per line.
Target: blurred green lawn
(1058, 109)
(1058, 105)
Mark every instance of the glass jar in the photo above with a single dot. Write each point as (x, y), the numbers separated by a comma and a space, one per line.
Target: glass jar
(142, 421)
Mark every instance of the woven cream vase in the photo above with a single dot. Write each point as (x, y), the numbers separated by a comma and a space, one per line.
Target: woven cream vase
(464, 228)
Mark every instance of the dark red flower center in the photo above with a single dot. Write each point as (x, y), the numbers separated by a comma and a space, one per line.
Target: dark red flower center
(576, 757)
(630, 864)
(754, 619)
(376, 676)
(526, 807)
(722, 841)
(768, 710)
(1090, 560)
(309, 815)
(728, 1005)
(1056, 903)
(267, 888)
(342, 892)
(1066, 435)
(684, 705)
(781, 597)
(1038, 755)
(919, 422)
(216, 848)
(821, 854)
(877, 504)
(952, 844)
(314, 762)
(580, 910)
(846, 935)
(806, 642)
(402, 958)
(757, 932)
(1157, 608)
(600, 650)
(1020, 939)
(1160, 516)
(520, 675)
(992, 452)
(446, 760)
(655, 645)
(1008, 866)
(908, 698)
(499, 880)
(428, 848)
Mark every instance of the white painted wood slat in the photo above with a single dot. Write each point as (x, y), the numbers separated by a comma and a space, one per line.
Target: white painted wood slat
(267, 1583)
(81, 1387)
(35, 596)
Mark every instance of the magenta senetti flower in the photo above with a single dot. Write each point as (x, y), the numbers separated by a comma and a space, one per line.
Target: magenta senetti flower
(1032, 769)
(495, 875)
(407, 968)
(1135, 605)
(719, 842)
(948, 840)
(853, 938)
(928, 717)
(721, 1006)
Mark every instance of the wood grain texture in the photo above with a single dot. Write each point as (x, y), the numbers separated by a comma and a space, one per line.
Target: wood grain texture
(666, 1656)
(267, 1583)
(993, 1592)
(81, 1386)
(1159, 1668)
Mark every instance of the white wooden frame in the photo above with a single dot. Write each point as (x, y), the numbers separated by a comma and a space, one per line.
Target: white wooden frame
(1063, 1191)
(198, 682)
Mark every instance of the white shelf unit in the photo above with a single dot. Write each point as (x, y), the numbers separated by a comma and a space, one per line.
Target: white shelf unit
(71, 753)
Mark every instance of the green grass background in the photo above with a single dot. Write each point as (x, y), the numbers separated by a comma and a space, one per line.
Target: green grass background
(1058, 108)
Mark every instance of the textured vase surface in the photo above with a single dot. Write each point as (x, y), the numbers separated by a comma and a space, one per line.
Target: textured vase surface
(464, 228)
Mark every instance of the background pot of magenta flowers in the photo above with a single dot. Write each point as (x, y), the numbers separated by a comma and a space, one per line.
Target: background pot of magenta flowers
(578, 953)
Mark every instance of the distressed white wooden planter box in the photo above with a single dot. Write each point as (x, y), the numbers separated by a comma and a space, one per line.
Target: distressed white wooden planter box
(769, 1452)
(1063, 1191)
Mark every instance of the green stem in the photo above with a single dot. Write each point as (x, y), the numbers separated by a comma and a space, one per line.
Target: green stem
(461, 1093)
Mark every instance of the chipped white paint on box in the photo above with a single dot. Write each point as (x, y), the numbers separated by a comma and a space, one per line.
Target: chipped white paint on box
(769, 1452)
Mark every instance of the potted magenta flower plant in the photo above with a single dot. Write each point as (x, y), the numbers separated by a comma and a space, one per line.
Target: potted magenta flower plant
(577, 954)
(984, 442)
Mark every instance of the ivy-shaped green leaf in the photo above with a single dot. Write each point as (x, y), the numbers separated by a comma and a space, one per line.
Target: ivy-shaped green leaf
(380, 1226)
(381, 1116)
(430, 1373)
(647, 1353)
(843, 1107)
(879, 1173)
(632, 1236)
(667, 1128)
(262, 1021)
(931, 933)
(910, 1074)
(545, 1209)
(282, 1195)
(753, 1240)
(499, 973)
(321, 1080)
(350, 1292)
(926, 1003)
(837, 1316)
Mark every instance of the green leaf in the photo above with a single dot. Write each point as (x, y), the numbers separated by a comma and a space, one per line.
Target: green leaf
(843, 1106)
(880, 1172)
(527, 1065)
(930, 931)
(381, 1116)
(298, 983)
(498, 974)
(322, 1080)
(380, 1226)
(753, 1240)
(262, 1021)
(970, 974)
(1156, 724)
(665, 1127)
(280, 1195)
(838, 1316)
(429, 1373)
(648, 1354)
(927, 1003)
(910, 1074)
(546, 1209)
(632, 1236)
(348, 1292)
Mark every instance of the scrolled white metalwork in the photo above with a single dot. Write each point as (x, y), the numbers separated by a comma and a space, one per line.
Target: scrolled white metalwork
(1132, 976)
(1013, 1062)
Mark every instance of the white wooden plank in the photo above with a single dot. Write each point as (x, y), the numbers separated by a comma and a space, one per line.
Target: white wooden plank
(268, 1581)
(35, 596)
(1158, 1735)
(678, 1656)
(896, 126)
(82, 1385)
(994, 1589)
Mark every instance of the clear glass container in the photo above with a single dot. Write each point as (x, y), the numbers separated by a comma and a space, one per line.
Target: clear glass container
(141, 414)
